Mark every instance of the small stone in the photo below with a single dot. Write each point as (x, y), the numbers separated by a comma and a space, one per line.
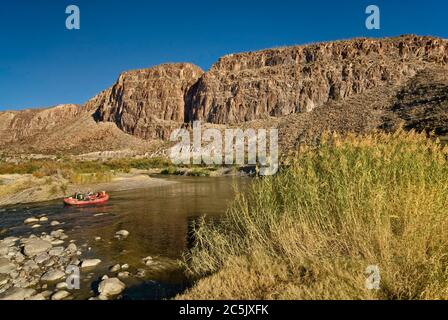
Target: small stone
(46, 237)
(54, 223)
(105, 277)
(141, 273)
(72, 248)
(61, 285)
(52, 275)
(3, 279)
(90, 263)
(125, 266)
(37, 297)
(115, 268)
(56, 251)
(111, 287)
(30, 265)
(124, 274)
(50, 263)
(75, 262)
(122, 233)
(31, 220)
(19, 257)
(57, 242)
(56, 233)
(97, 238)
(148, 260)
(10, 241)
(36, 226)
(60, 295)
(43, 219)
(41, 258)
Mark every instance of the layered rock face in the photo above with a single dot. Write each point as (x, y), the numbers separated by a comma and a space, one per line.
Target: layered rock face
(356, 85)
(19, 125)
(279, 82)
(422, 104)
(148, 103)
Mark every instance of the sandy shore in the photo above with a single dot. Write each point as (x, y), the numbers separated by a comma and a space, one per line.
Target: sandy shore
(17, 189)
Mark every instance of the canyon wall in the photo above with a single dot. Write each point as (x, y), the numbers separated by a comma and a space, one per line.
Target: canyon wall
(283, 81)
(148, 103)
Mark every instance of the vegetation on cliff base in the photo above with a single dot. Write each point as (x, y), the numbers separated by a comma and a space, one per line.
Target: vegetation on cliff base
(311, 231)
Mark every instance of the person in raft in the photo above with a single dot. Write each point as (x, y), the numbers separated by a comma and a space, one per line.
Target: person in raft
(86, 196)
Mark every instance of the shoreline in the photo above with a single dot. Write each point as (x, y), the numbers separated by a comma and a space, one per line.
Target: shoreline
(34, 190)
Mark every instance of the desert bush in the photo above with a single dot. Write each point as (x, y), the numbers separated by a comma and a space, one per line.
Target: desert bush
(311, 231)
(89, 178)
(171, 170)
(198, 172)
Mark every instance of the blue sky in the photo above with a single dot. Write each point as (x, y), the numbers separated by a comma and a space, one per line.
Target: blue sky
(43, 64)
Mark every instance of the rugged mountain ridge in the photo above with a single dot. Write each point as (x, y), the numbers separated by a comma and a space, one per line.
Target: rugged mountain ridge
(279, 82)
(18, 125)
(353, 85)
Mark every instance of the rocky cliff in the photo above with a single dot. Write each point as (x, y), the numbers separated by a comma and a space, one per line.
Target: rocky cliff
(283, 81)
(355, 85)
(149, 103)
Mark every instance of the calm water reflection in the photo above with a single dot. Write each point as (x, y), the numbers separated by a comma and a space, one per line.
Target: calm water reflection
(158, 221)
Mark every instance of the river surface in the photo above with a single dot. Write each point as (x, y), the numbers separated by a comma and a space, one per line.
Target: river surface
(159, 220)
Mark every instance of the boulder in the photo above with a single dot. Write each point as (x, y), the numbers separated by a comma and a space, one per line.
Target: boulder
(41, 258)
(52, 275)
(56, 251)
(60, 295)
(36, 246)
(6, 266)
(17, 294)
(89, 263)
(37, 297)
(111, 287)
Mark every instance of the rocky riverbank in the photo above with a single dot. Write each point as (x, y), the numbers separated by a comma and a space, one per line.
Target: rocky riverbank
(48, 266)
(51, 266)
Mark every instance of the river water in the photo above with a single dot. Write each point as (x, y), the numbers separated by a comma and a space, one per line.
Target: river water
(159, 220)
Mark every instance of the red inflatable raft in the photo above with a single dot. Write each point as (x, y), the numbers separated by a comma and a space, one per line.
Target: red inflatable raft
(100, 198)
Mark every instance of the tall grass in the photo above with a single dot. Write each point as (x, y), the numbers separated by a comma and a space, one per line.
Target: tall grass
(311, 231)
